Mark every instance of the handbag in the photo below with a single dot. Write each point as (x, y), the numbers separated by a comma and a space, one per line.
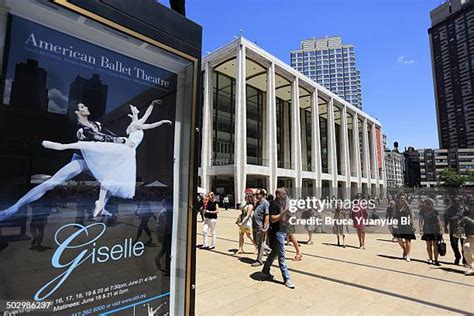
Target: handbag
(248, 223)
(441, 247)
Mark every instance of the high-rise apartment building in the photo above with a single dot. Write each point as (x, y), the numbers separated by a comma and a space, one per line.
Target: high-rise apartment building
(394, 167)
(452, 50)
(92, 92)
(31, 77)
(331, 64)
(433, 161)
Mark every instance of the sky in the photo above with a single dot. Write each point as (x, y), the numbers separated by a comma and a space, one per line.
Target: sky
(390, 38)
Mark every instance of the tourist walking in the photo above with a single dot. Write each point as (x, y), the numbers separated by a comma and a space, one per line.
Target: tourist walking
(359, 216)
(261, 223)
(226, 202)
(404, 230)
(211, 209)
(244, 221)
(200, 206)
(467, 222)
(389, 215)
(340, 218)
(310, 225)
(277, 234)
(453, 214)
(430, 227)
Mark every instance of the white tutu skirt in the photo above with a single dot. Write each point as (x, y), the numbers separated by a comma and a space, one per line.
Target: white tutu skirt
(113, 165)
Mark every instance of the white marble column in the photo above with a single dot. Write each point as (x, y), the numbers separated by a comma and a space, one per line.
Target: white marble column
(271, 130)
(240, 148)
(366, 151)
(345, 151)
(206, 133)
(356, 149)
(374, 170)
(296, 135)
(332, 154)
(316, 141)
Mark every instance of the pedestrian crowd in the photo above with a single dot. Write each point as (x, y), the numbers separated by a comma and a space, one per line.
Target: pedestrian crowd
(264, 221)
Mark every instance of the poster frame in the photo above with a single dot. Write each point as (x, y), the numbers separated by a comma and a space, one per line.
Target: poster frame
(192, 186)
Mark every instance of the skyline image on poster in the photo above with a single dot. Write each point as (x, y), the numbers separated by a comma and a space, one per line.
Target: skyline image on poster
(92, 73)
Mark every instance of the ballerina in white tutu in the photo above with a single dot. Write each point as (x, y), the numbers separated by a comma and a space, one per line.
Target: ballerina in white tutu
(113, 164)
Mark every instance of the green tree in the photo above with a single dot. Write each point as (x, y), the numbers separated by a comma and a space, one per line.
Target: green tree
(451, 179)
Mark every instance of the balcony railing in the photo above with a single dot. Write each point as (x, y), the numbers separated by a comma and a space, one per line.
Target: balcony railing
(285, 164)
(222, 161)
(257, 161)
(307, 167)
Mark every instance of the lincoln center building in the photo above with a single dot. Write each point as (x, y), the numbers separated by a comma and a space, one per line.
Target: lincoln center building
(265, 124)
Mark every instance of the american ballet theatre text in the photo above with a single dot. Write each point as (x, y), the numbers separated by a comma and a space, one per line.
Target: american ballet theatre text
(32, 42)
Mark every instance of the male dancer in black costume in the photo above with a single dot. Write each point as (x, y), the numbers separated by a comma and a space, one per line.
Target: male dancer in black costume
(87, 131)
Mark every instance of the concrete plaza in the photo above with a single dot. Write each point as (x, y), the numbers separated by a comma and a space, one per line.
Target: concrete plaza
(329, 280)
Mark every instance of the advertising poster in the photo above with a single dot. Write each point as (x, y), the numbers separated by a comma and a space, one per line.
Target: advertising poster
(86, 159)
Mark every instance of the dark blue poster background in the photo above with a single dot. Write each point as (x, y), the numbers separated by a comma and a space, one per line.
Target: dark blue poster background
(52, 248)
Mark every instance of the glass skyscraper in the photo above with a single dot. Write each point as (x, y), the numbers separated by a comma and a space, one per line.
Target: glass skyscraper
(331, 64)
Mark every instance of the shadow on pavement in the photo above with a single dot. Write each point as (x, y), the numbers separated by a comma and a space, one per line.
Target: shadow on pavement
(452, 270)
(386, 240)
(335, 245)
(412, 259)
(258, 276)
(246, 260)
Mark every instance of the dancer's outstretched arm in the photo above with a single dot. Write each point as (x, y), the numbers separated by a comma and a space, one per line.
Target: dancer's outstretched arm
(148, 111)
(153, 125)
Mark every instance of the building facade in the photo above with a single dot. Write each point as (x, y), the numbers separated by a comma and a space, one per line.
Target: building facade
(90, 91)
(433, 161)
(264, 124)
(412, 168)
(452, 47)
(332, 64)
(394, 168)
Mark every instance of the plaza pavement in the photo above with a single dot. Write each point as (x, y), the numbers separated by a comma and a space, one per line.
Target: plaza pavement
(329, 280)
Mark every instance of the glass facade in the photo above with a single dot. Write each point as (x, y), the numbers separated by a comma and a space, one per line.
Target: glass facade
(323, 126)
(338, 148)
(223, 112)
(255, 123)
(283, 124)
(306, 129)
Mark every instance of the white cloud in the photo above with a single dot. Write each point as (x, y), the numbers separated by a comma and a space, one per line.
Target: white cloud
(57, 101)
(404, 61)
(53, 107)
(7, 91)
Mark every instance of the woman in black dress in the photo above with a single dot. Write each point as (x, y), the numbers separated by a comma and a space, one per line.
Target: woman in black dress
(404, 231)
(430, 227)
